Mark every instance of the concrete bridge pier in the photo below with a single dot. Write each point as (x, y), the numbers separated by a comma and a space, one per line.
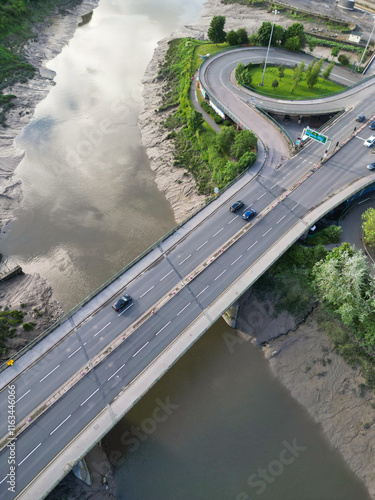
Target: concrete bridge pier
(230, 315)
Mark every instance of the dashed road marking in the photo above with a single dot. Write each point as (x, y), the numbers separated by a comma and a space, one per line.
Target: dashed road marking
(165, 326)
(149, 290)
(85, 401)
(27, 456)
(267, 232)
(283, 217)
(201, 246)
(139, 350)
(182, 310)
(221, 274)
(48, 374)
(63, 422)
(166, 275)
(97, 333)
(252, 246)
(217, 232)
(116, 372)
(238, 258)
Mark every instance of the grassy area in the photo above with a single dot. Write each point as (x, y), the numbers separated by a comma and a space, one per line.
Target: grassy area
(205, 49)
(213, 161)
(302, 91)
(9, 320)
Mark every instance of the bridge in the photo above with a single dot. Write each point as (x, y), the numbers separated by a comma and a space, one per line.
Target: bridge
(77, 383)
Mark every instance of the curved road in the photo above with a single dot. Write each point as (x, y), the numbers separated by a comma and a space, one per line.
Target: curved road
(96, 390)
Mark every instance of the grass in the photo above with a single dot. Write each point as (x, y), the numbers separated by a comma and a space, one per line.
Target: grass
(302, 91)
(205, 49)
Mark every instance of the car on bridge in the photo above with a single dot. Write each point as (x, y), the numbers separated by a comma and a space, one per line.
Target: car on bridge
(371, 166)
(369, 142)
(249, 214)
(122, 302)
(372, 125)
(360, 118)
(236, 206)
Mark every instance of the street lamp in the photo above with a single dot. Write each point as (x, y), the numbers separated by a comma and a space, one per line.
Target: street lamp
(368, 41)
(269, 44)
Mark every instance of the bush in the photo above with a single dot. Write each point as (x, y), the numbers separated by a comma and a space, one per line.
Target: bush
(218, 119)
(206, 107)
(343, 59)
(28, 326)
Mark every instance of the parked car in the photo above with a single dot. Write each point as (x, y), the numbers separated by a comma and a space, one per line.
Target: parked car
(371, 166)
(369, 142)
(372, 125)
(122, 302)
(236, 206)
(249, 214)
(360, 118)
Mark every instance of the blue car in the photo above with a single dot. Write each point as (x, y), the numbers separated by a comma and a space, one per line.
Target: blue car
(249, 214)
(372, 125)
(122, 302)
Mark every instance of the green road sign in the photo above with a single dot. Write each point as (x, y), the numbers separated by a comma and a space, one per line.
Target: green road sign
(316, 136)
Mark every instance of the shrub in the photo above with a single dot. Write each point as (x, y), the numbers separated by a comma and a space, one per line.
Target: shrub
(343, 59)
(28, 326)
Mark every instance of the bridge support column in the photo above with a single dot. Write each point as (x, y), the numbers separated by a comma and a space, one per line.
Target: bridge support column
(230, 315)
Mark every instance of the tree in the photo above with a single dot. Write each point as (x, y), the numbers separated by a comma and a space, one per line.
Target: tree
(278, 34)
(216, 31)
(327, 72)
(240, 68)
(264, 33)
(246, 160)
(247, 79)
(225, 139)
(314, 75)
(335, 51)
(296, 29)
(281, 71)
(298, 73)
(368, 226)
(242, 36)
(244, 142)
(253, 39)
(232, 38)
(275, 84)
(309, 68)
(343, 281)
(343, 59)
(312, 45)
(292, 43)
(195, 121)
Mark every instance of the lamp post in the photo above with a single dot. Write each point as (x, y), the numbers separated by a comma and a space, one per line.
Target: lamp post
(368, 41)
(269, 44)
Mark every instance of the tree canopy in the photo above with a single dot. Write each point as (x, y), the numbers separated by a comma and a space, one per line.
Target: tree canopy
(244, 142)
(216, 31)
(368, 226)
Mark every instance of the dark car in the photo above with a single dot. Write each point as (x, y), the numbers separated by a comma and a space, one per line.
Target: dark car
(122, 302)
(371, 166)
(360, 118)
(372, 125)
(249, 214)
(236, 206)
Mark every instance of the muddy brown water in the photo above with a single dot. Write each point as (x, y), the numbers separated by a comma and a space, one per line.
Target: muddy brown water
(218, 425)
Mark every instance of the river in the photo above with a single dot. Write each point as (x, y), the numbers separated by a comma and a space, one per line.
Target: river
(90, 206)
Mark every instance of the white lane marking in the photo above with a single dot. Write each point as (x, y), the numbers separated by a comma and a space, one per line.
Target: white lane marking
(204, 289)
(19, 399)
(97, 333)
(283, 217)
(184, 260)
(234, 218)
(251, 204)
(27, 456)
(267, 232)
(358, 204)
(85, 401)
(299, 164)
(77, 350)
(116, 372)
(217, 232)
(261, 196)
(149, 290)
(126, 309)
(295, 206)
(63, 422)
(139, 350)
(303, 161)
(221, 274)
(202, 246)
(252, 245)
(3, 479)
(288, 174)
(238, 258)
(182, 310)
(274, 185)
(166, 275)
(48, 374)
(165, 326)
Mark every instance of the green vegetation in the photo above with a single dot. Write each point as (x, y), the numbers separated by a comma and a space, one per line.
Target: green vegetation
(18, 23)
(332, 44)
(8, 321)
(28, 327)
(203, 49)
(368, 226)
(216, 31)
(341, 281)
(213, 159)
(295, 83)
